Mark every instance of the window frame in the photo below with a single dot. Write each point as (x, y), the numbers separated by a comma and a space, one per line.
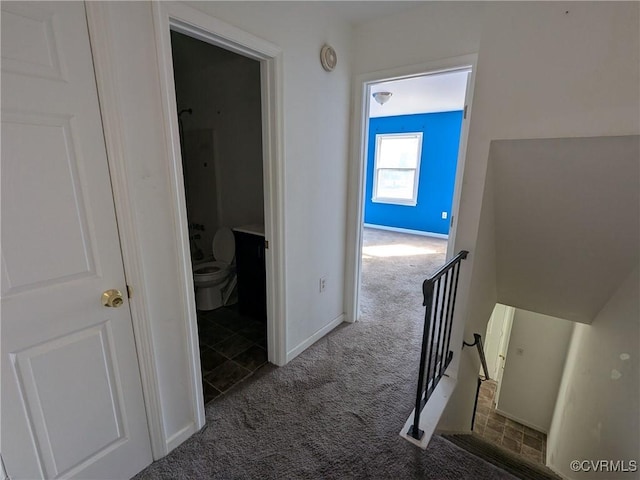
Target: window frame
(413, 201)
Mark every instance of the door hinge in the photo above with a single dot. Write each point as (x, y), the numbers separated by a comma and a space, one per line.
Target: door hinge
(266, 244)
(129, 291)
(464, 115)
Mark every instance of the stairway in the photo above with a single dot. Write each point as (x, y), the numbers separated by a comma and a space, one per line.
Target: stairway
(500, 457)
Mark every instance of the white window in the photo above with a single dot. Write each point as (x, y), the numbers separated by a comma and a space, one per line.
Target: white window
(397, 168)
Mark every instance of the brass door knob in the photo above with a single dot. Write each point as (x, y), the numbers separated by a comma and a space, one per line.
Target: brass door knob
(112, 298)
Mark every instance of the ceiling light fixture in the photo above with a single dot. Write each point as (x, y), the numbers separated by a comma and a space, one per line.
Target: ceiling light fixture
(381, 97)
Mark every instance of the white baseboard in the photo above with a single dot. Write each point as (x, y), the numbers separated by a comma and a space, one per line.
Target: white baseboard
(431, 413)
(523, 422)
(453, 432)
(406, 230)
(294, 352)
(180, 436)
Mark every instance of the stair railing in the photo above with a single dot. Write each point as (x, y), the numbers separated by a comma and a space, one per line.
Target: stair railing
(483, 360)
(439, 292)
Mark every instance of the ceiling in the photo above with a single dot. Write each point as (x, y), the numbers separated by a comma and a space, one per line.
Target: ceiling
(365, 11)
(351, 12)
(442, 92)
(567, 222)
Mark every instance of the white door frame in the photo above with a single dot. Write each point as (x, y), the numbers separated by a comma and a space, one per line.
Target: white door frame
(503, 348)
(189, 21)
(359, 152)
(176, 16)
(101, 48)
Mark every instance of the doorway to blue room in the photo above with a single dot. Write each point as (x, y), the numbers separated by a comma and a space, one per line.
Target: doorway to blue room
(413, 130)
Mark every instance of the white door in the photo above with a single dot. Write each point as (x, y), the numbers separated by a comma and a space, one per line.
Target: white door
(492, 340)
(72, 402)
(505, 335)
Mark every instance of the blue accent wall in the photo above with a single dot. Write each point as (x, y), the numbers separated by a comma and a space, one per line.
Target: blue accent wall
(440, 142)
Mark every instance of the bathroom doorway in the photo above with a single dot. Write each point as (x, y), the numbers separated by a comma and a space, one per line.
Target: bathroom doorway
(219, 105)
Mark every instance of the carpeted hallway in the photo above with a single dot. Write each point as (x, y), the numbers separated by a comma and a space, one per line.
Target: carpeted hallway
(335, 411)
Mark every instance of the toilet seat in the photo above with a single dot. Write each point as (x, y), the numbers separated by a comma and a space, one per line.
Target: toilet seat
(224, 245)
(210, 274)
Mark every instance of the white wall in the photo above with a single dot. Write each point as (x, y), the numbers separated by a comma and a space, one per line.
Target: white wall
(474, 309)
(533, 368)
(541, 73)
(197, 144)
(585, 218)
(596, 415)
(224, 132)
(316, 126)
(201, 186)
(426, 33)
(538, 69)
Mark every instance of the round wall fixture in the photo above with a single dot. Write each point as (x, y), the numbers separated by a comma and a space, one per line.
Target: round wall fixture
(328, 58)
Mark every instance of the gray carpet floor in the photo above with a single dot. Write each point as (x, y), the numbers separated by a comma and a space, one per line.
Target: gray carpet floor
(335, 411)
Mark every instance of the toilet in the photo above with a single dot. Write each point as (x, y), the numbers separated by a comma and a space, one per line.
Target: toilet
(214, 281)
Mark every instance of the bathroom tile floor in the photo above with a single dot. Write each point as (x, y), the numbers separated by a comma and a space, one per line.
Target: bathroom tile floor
(232, 348)
(502, 431)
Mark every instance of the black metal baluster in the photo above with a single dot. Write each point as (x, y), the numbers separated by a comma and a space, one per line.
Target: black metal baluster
(431, 339)
(455, 294)
(439, 299)
(438, 357)
(414, 430)
(443, 324)
(447, 358)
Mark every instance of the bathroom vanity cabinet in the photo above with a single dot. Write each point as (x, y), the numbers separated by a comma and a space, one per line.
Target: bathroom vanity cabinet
(250, 268)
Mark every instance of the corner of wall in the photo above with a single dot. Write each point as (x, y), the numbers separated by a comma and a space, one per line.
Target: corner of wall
(561, 401)
(477, 302)
(599, 390)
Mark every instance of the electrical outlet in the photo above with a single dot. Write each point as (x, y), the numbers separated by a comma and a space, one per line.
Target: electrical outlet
(323, 284)
(444, 215)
